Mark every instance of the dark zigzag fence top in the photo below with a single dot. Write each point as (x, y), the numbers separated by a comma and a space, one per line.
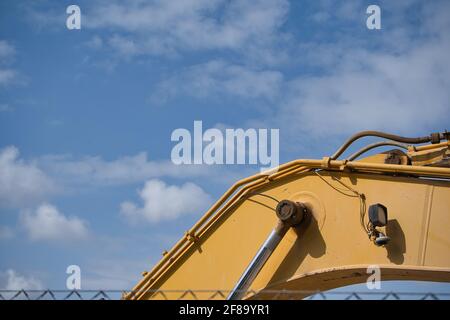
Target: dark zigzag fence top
(218, 294)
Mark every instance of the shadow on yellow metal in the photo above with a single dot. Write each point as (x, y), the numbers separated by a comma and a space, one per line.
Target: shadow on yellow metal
(331, 248)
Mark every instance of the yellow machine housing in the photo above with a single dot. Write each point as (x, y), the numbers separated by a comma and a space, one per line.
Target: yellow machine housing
(331, 247)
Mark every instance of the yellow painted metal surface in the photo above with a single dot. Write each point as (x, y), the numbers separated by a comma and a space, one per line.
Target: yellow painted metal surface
(330, 249)
(431, 155)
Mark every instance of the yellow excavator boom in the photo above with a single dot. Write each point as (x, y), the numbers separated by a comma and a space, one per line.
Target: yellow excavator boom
(315, 225)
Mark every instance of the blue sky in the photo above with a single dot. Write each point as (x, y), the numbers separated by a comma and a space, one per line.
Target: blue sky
(86, 115)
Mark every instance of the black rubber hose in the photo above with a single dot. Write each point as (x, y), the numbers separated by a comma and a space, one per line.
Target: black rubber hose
(435, 138)
(376, 145)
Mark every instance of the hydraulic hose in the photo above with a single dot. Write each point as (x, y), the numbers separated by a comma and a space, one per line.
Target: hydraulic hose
(433, 138)
(376, 145)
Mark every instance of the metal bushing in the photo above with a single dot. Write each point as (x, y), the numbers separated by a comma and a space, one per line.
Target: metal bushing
(435, 137)
(291, 213)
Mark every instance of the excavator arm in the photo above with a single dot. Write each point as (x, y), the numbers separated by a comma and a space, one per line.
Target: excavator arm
(315, 225)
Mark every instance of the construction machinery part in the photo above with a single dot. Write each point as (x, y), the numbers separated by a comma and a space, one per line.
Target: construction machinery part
(290, 214)
(334, 244)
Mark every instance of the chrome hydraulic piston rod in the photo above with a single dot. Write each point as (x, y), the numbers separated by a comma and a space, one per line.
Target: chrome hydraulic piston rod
(290, 214)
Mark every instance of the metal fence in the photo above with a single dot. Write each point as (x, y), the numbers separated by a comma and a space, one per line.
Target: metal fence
(218, 294)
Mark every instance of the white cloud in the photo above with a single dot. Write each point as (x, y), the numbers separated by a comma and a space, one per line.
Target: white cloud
(113, 273)
(7, 76)
(5, 107)
(94, 170)
(353, 101)
(27, 183)
(164, 27)
(11, 280)
(166, 202)
(6, 233)
(217, 78)
(21, 183)
(47, 223)
(95, 42)
(7, 53)
(404, 92)
(124, 46)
